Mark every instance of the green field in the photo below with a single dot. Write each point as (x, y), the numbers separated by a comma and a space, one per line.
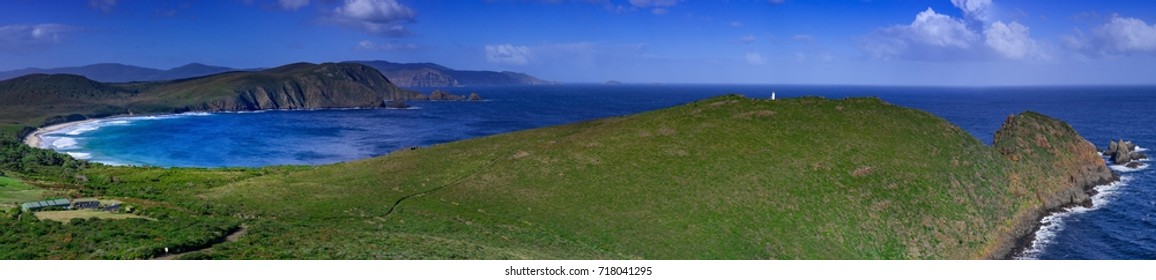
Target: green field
(13, 191)
(66, 216)
(723, 178)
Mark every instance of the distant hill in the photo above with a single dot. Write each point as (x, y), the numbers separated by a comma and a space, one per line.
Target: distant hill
(401, 74)
(119, 73)
(46, 98)
(434, 75)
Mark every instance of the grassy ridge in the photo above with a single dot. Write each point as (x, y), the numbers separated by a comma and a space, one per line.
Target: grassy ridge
(723, 178)
(37, 99)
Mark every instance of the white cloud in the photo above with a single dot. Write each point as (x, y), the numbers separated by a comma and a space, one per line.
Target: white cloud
(736, 24)
(754, 58)
(980, 10)
(508, 54)
(936, 29)
(292, 4)
(1118, 36)
(1127, 35)
(930, 36)
(368, 45)
(935, 36)
(21, 37)
(102, 5)
(747, 39)
(1012, 41)
(374, 16)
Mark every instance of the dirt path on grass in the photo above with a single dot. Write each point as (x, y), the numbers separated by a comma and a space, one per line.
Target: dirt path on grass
(228, 238)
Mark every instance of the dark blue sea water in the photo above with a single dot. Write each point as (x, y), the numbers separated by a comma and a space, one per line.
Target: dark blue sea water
(1120, 226)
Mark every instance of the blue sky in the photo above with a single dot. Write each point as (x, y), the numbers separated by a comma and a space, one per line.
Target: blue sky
(944, 42)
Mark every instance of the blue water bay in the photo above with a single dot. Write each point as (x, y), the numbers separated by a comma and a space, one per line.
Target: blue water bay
(1121, 226)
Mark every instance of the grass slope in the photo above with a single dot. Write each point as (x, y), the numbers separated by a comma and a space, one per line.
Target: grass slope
(723, 178)
(13, 191)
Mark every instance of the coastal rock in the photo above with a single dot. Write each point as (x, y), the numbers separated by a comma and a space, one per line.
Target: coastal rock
(475, 97)
(1134, 165)
(439, 95)
(1058, 167)
(395, 104)
(1122, 152)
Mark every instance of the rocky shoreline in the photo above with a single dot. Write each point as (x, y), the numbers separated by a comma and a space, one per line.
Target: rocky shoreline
(1119, 153)
(1051, 164)
(1025, 242)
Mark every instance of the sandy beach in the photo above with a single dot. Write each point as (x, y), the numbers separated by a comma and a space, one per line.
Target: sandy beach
(35, 139)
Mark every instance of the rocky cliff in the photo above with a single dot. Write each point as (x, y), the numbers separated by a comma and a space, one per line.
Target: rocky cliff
(1052, 165)
(295, 86)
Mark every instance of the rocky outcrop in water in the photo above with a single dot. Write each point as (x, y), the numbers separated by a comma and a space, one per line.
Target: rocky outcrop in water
(1124, 152)
(440, 95)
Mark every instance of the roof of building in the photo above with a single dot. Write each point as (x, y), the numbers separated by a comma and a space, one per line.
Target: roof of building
(46, 203)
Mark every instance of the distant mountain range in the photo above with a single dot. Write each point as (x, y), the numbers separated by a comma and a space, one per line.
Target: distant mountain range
(118, 73)
(434, 75)
(401, 74)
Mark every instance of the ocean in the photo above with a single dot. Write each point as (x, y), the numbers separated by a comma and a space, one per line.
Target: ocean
(1119, 226)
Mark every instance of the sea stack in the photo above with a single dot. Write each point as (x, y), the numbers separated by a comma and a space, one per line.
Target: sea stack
(1123, 152)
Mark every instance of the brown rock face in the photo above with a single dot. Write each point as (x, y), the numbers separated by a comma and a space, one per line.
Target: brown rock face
(295, 86)
(1053, 163)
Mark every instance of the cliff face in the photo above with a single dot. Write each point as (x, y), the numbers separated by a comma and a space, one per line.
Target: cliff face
(423, 77)
(297, 86)
(1052, 165)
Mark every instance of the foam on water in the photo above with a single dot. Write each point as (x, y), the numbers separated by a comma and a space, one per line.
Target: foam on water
(1054, 223)
(64, 143)
(81, 129)
(1125, 169)
(79, 155)
(110, 163)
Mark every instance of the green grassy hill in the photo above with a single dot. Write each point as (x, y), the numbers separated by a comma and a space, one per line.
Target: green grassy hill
(723, 178)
